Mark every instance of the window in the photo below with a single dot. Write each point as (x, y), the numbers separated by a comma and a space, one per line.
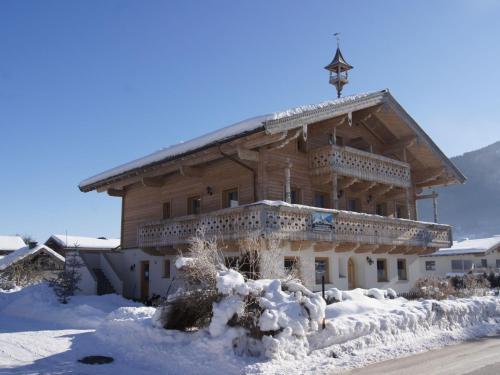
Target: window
(194, 205)
(320, 200)
(295, 196)
(402, 272)
(484, 263)
(290, 264)
(430, 265)
(166, 210)
(498, 263)
(401, 211)
(381, 270)
(230, 198)
(381, 209)
(461, 265)
(321, 269)
(353, 205)
(166, 269)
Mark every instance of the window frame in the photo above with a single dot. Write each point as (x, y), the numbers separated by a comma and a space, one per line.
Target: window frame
(169, 215)
(295, 263)
(405, 269)
(190, 200)
(325, 197)
(427, 263)
(226, 203)
(165, 274)
(385, 269)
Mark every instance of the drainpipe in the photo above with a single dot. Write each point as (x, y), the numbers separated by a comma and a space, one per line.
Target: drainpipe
(254, 174)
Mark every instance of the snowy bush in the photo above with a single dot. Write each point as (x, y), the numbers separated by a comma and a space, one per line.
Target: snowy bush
(66, 283)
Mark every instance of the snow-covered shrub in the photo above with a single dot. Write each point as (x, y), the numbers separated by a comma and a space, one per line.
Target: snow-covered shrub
(433, 288)
(265, 309)
(470, 285)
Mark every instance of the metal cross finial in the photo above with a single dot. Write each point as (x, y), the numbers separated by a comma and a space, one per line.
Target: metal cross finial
(337, 35)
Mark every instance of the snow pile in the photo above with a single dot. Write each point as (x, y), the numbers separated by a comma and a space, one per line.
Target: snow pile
(282, 314)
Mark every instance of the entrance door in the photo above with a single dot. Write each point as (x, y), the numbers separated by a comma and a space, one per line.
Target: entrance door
(144, 280)
(351, 274)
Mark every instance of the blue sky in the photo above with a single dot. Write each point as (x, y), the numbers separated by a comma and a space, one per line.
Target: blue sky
(87, 85)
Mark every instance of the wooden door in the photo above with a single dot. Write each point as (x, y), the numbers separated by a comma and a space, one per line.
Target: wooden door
(351, 274)
(144, 280)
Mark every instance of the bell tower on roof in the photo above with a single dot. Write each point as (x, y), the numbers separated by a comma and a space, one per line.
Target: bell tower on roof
(338, 69)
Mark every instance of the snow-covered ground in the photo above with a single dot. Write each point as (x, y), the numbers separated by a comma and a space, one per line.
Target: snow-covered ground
(39, 335)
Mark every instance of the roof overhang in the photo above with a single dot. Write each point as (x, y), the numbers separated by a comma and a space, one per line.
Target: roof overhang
(282, 122)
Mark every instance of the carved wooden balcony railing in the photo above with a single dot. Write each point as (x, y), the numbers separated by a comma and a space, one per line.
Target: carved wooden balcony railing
(347, 161)
(295, 222)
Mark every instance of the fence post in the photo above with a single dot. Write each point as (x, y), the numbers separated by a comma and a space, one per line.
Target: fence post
(323, 286)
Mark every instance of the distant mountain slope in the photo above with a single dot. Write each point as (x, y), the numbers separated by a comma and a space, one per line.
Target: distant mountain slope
(474, 207)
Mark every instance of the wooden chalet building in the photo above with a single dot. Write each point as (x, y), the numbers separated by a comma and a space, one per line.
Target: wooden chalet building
(337, 181)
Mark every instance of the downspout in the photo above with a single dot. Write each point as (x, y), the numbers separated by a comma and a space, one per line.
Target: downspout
(254, 174)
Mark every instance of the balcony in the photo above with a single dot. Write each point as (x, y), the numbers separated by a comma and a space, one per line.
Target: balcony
(295, 222)
(347, 161)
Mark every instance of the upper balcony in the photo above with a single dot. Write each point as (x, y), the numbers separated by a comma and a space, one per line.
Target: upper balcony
(295, 222)
(347, 161)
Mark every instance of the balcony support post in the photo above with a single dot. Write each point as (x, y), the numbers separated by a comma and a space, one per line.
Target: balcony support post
(335, 194)
(434, 206)
(408, 203)
(288, 183)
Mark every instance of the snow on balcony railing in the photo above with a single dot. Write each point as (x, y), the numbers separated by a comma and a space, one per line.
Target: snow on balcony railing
(295, 222)
(352, 162)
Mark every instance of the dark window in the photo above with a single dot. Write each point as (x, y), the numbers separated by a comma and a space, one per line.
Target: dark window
(353, 205)
(498, 263)
(321, 269)
(320, 200)
(295, 196)
(166, 210)
(166, 269)
(290, 263)
(484, 263)
(381, 270)
(381, 209)
(230, 198)
(402, 273)
(194, 205)
(430, 265)
(401, 211)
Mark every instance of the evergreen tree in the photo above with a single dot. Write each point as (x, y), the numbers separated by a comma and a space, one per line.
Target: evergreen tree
(66, 283)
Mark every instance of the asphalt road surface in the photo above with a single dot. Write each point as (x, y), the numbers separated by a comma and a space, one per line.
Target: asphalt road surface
(478, 357)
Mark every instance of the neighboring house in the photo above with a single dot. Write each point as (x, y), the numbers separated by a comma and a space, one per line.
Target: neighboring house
(30, 264)
(337, 181)
(101, 258)
(480, 255)
(8, 244)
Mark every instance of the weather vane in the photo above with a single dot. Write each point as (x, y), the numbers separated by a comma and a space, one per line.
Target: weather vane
(337, 36)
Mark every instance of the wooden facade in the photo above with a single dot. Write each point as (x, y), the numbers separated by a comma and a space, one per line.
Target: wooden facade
(353, 157)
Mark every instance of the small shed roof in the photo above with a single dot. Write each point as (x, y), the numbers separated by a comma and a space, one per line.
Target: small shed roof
(11, 243)
(24, 252)
(476, 246)
(85, 243)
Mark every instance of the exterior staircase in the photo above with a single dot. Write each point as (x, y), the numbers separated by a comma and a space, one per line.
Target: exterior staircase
(103, 284)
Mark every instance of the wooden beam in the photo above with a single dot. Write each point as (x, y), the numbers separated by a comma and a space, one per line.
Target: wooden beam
(116, 192)
(324, 246)
(400, 250)
(427, 196)
(366, 249)
(190, 171)
(346, 247)
(246, 154)
(347, 182)
(401, 144)
(153, 181)
(384, 249)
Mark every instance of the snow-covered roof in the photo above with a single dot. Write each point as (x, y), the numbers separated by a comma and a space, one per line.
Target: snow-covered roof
(473, 246)
(232, 131)
(24, 252)
(11, 243)
(85, 243)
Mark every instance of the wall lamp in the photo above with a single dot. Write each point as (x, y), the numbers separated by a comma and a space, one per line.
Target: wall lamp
(369, 260)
